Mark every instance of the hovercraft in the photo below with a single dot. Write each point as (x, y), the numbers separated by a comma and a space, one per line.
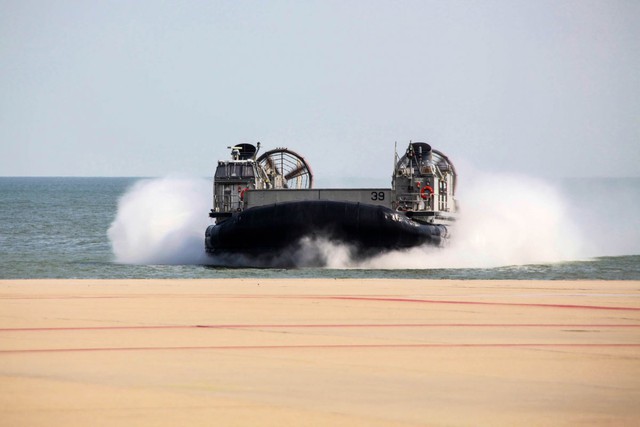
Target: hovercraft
(266, 205)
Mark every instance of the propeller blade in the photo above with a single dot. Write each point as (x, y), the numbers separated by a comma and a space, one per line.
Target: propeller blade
(300, 170)
(272, 165)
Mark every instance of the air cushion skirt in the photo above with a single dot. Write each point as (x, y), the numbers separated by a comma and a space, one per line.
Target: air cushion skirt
(368, 229)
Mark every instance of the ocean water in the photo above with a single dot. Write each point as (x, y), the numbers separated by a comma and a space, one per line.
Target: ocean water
(154, 228)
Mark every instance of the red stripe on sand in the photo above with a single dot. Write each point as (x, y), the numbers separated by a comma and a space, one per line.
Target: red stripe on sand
(330, 297)
(293, 326)
(315, 347)
(516, 304)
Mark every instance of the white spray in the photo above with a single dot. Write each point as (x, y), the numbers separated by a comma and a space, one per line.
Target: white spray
(505, 220)
(162, 221)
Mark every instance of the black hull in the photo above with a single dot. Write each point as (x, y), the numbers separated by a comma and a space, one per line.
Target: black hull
(367, 229)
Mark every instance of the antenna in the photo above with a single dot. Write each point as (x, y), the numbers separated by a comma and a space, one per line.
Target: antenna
(395, 155)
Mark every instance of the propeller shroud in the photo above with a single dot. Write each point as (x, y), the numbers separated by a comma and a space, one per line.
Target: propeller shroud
(286, 169)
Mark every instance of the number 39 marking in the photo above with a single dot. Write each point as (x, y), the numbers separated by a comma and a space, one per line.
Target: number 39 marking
(377, 195)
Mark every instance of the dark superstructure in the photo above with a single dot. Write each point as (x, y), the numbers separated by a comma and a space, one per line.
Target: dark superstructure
(264, 205)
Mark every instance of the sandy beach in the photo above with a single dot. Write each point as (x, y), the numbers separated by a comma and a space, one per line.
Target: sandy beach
(245, 352)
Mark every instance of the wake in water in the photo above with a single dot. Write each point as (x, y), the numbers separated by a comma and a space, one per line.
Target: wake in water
(505, 220)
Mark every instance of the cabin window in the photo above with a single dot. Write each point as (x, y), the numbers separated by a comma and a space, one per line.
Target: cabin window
(234, 171)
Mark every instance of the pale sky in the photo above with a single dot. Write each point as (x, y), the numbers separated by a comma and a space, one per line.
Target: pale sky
(154, 88)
